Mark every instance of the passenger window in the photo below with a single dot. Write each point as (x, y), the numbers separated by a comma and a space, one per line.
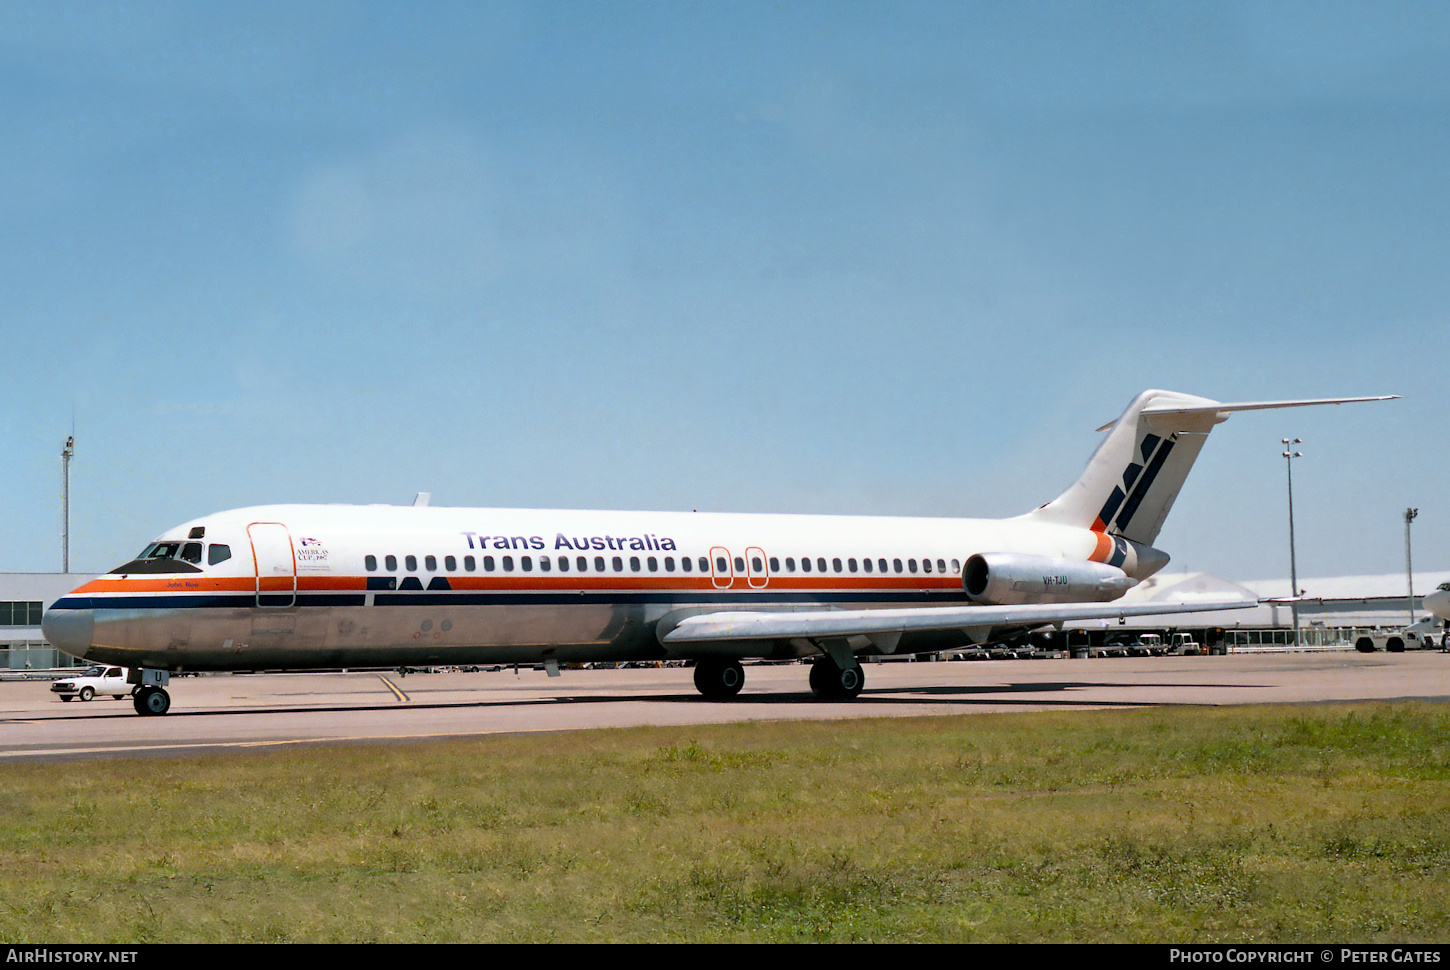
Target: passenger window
(911, 565)
(669, 564)
(218, 552)
(391, 562)
(563, 564)
(488, 564)
(926, 565)
(544, 564)
(790, 564)
(370, 563)
(450, 563)
(191, 552)
(634, 564)
(619, 564)
(599, 564)
(941, 565)
(867, 564)
(739, 564)
(851, 565)
(896, 564)
(527, 562)
(468, 563)
(653, 564)
(956, 566)
(805, 565)
(430, 563)
(721, 566)
(774, 564)
(836, 564)
(821, 564)
(508, 564)
(412, 563)
(685, 563)
(583, 563)
(704, 565)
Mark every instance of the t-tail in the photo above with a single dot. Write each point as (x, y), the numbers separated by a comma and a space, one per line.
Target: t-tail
(1134, 477)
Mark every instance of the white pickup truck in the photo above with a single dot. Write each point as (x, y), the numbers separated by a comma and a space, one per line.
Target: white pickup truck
(92, 681)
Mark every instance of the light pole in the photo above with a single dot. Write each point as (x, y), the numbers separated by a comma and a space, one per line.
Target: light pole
(1409, 568)
(66, 454)
(1289, 455)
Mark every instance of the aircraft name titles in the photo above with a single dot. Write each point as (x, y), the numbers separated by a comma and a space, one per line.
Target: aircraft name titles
(647, 542)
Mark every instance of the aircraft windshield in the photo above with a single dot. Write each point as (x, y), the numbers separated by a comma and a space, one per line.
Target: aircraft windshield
(174, 557)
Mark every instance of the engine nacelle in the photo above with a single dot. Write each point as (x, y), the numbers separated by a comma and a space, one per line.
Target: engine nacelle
(1011, 579)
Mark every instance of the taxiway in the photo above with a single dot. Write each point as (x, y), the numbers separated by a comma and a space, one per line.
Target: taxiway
(242, 712)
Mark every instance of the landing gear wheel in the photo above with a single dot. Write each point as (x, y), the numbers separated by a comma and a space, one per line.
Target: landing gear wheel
(151, 700)
(87, 693)
(719, 679)
(830, 682)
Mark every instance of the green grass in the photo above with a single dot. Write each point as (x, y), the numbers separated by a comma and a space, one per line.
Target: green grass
(1168, 825)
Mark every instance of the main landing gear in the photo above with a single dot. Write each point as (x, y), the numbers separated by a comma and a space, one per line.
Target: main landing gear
(719, 679)
(150, 696)
(832, 682)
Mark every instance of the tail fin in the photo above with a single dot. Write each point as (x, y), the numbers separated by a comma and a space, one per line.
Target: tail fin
(1136, 473)
(1133, 478)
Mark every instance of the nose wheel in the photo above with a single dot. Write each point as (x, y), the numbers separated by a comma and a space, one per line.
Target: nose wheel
(151, 700)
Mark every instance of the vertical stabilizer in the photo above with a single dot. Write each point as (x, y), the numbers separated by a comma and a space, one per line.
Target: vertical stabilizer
(1133, 478)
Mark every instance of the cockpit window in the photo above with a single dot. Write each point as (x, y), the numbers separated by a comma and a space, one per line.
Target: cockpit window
(160, 550)
(164, 557)
(217, 552)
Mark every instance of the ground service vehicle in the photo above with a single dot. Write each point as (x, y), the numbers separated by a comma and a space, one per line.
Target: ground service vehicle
(92, 681)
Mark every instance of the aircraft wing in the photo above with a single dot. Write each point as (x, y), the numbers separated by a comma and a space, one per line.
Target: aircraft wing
(746, 625)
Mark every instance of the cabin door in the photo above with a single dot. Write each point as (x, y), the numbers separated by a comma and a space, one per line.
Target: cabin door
(276, 564)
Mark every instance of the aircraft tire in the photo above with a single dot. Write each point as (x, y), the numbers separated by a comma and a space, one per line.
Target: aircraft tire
(150, 701)
(830, 682)
(719, 679)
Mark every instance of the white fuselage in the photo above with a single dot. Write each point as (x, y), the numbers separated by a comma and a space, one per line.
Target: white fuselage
(306, 586)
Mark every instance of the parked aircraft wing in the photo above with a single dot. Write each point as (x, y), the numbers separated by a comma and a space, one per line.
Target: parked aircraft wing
(745, 625)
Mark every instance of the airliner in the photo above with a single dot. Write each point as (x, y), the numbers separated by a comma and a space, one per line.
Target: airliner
(340, 586)
(1438, 603)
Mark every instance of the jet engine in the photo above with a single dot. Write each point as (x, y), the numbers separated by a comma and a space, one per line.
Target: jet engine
(1012, 579)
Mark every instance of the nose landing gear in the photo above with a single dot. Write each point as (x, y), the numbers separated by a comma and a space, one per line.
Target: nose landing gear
(150, 695)
(151, 700)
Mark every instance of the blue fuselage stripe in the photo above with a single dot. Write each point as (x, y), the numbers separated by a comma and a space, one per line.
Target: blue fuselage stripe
(541, 598)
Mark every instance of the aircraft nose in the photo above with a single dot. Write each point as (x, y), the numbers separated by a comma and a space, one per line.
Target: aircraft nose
(69, 630)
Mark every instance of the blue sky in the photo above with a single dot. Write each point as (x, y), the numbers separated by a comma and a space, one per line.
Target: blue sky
(884, 258)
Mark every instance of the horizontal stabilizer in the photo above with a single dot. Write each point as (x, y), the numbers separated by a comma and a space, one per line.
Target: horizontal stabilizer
(745, 625)
(1256, 406)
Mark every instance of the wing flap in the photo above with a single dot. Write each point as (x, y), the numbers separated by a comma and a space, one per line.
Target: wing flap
(747, 625)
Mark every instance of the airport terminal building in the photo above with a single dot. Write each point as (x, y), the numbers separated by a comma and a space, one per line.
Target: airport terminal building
(1333, 612)
(24, 598)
